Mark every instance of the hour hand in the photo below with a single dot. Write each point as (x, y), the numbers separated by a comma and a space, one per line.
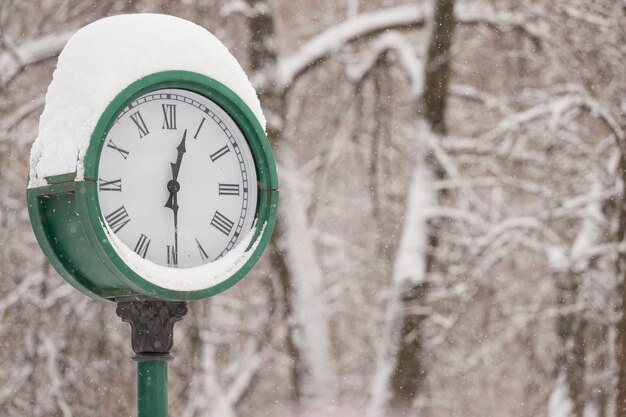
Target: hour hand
(173, 186)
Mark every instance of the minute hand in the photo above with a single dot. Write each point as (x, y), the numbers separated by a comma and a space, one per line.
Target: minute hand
(181, 151)
(173, 186)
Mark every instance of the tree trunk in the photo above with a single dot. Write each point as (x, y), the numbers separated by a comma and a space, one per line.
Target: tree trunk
(620, 409)
(308, 337)
(408, 371)
(570, 361)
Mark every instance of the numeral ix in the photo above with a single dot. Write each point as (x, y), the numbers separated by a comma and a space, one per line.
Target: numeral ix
(115, 185)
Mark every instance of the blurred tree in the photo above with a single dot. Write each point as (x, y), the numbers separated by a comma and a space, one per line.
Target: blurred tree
(451, 223)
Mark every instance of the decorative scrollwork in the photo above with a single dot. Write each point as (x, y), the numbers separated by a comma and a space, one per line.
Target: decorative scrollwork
(151, 322)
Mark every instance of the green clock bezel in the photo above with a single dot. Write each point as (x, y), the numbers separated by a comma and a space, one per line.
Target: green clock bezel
(91, 220)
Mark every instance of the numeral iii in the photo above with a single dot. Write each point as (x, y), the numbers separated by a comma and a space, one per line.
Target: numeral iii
(229, 189)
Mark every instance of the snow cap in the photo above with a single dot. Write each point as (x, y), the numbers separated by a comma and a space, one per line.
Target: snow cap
(102, 59)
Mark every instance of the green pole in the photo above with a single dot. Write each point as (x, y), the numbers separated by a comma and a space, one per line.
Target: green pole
(152, 388)
(152, 337)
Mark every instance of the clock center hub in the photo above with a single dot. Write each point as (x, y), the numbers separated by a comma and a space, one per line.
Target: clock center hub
(173, 186)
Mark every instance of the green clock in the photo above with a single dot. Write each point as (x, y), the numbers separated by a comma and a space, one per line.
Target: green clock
(179, 195)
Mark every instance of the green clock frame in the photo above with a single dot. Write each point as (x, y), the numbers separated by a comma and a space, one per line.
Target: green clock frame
(69, 226)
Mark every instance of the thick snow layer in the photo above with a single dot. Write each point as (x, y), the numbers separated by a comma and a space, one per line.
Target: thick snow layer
(188, 279)
(106, 56)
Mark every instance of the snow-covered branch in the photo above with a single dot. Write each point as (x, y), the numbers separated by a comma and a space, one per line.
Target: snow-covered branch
(335, 37)
(391, 41)
(30, 52)
(291, 67)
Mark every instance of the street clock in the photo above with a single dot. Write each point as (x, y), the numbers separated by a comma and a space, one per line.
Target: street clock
(151, 181)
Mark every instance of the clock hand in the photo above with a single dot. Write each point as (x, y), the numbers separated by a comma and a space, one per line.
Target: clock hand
(181, 151)
(173, 186)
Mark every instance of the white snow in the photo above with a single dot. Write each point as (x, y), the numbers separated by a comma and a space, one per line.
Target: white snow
(560, 404)
(410, 264)
(188, 279)
(312, 333)
(103, 58)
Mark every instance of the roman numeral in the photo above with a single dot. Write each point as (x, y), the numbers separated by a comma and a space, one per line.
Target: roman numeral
(222, 223)
(169, 116)
(118, 219)
(121, 151)
(172, 257)
(229, 189)
(203, 254)
(115, 185)
(219, 153)
(141, 248)
(141, 125)
(199, 127)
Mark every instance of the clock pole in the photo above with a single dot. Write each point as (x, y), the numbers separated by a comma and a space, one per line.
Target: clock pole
(152, 325)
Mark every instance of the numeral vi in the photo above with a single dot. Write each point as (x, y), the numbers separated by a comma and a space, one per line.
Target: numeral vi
(172, 257)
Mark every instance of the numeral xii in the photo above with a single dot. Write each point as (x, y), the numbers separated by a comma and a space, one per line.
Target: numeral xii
(169, 116)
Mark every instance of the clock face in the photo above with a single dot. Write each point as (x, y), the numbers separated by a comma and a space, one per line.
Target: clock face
(177, 182)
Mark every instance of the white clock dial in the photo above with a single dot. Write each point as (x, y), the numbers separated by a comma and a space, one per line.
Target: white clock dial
(176, 179)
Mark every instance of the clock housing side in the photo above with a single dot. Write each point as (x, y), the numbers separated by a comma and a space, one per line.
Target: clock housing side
(60, 224)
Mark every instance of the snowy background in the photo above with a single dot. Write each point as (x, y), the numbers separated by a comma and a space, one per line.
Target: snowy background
(451, 231)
